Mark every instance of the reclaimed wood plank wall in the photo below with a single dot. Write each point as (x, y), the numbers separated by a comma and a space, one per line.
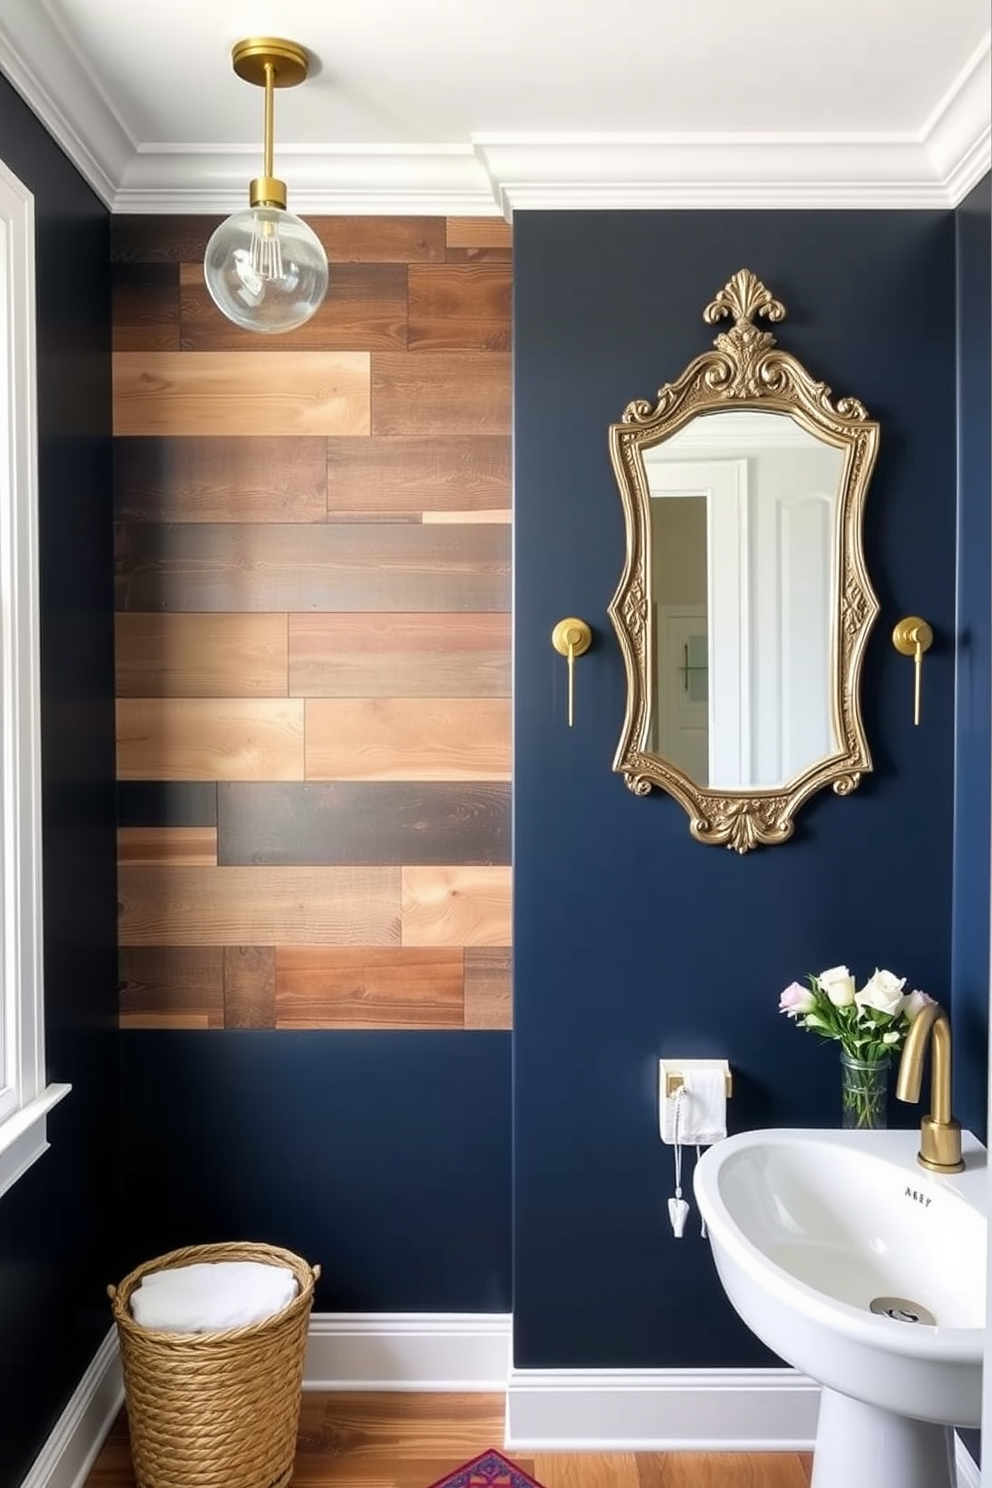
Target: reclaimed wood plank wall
(313, 636)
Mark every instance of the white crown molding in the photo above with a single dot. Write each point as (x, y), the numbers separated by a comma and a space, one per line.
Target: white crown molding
(43, 66)
(934, 167)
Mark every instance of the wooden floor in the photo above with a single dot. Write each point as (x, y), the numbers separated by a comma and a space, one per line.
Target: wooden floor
(403, 1440)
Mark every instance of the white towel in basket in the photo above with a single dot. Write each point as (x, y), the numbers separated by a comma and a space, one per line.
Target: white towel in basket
(211, 1295)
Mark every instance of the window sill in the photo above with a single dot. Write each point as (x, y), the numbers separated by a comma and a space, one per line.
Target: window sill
(24, 1137)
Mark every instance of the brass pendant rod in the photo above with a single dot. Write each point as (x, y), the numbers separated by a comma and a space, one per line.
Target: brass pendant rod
(270, 77)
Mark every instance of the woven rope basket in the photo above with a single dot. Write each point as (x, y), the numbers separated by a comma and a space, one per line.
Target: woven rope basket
(215, 1410)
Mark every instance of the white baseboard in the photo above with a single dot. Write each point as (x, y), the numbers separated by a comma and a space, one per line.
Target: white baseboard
(70, 1451)
(656, 1410)
(408, 1351)
(546, 1410)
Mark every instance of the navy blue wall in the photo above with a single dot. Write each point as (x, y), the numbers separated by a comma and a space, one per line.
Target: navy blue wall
(57, 1250)
(384, 1156)
(970, 972)
(632, 940)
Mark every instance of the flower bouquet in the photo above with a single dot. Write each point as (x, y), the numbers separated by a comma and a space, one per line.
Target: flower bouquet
(870, 1025)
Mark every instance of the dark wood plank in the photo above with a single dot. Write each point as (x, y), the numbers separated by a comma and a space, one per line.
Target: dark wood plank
(249, 987)
(488, 987)
(221, 479)
(166, 803)
(380, 239)
(153, 238)
(357, 822)
(459, 307)
(171, 987)
(365, 310)
(419, 655)
(226, 567)
(360, 987)
(437, 392)
(145, 307)
(444, 473)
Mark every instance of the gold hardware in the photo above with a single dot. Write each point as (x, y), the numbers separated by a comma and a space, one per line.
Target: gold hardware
(940, 1134)
(745, 370)
(269, 62)
(674, 1081)
(911, 637)
(571, 637)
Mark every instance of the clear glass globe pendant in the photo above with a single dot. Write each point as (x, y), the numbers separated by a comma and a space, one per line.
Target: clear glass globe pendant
(266, 270)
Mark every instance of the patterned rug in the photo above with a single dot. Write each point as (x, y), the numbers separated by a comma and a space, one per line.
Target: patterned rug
(489, 1470)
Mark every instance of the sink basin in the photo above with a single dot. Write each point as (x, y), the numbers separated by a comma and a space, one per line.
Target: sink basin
(867, 1272)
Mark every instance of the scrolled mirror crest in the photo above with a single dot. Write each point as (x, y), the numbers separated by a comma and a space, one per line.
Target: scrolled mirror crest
(767, 647)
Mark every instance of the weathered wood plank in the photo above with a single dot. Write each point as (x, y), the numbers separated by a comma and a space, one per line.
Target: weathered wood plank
(167, 803)
(259, 906)
(407, 739)
(440, 392)
(360, 987)
(249, 986)
(456, 906)
(145, 307)
(414, 655)
(346, 822)
(379, 240)
(217, 479)
(459, 307)
(171, 987)
(488, 987)
(356, 567)
(210, 739)
(365, 310)
(179, 655)
(477, 232)
(444, 473)
(222, 392)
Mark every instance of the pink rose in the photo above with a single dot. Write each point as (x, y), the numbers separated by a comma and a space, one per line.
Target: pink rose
(795, 1000)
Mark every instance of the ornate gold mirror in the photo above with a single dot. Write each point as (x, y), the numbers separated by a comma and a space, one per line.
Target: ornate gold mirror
(744, 605)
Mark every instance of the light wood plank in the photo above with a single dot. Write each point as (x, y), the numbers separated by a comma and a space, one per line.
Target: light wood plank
(459, 906)
(210, 739)
(502, 515)
(363, 987)
(259, 906)
(407, 739)
(440, 392)
(488, 987)
(266, 393)
(181, 846)
(202, 655)
(586, 1469)
(722, 1470)
(411, 655)
(477, 232)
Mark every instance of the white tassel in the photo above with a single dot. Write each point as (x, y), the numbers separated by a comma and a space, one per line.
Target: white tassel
(678, 1211)
(678, 1208)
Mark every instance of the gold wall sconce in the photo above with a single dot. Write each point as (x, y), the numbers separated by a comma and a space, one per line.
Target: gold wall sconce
(571, 637)
(266, 270)
(911, 637)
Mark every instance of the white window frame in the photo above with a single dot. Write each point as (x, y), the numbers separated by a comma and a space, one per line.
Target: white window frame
(25, 1097)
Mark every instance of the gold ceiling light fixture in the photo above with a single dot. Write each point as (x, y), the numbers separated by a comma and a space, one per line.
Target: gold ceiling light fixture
(265, 269)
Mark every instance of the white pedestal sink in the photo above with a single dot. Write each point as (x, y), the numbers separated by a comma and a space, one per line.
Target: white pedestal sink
(811, 1230)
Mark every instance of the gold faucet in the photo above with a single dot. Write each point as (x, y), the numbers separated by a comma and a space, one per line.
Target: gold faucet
(940, 1134)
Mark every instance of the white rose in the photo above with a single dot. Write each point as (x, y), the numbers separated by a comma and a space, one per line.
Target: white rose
(883, 992)
(915, 1002)
(838, 984)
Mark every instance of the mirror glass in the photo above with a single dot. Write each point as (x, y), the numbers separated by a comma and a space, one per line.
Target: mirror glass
(743, 572)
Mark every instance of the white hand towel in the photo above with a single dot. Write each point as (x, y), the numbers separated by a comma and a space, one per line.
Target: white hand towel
(211, 1295)
(704, 1116)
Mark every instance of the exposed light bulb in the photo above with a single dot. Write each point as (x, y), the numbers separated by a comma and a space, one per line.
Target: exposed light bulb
(266, 270)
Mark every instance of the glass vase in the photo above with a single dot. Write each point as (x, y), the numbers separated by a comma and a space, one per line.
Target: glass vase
(864, 1092)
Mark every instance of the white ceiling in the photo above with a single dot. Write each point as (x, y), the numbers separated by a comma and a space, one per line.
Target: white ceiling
(478, 106)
